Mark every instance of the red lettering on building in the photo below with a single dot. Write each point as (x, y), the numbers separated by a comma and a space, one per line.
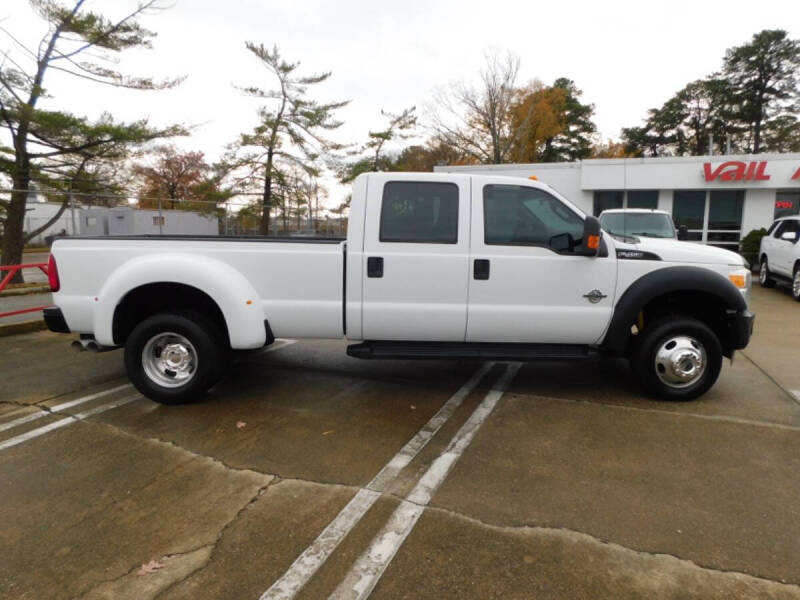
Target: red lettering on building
(783, 204)
(735, 170)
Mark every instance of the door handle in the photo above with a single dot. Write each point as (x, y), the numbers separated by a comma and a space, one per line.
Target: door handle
(375, 266)
(480, 268)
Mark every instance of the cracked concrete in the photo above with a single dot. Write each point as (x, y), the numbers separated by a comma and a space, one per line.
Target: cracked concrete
(110, 501)
(451, 556)
(133, 586)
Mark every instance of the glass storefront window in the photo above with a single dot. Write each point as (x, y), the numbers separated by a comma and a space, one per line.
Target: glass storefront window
(689, 208)
(642, 199)
(787, 203)
(606, 200)
(725, 210)
(610, 199)
(713, 217)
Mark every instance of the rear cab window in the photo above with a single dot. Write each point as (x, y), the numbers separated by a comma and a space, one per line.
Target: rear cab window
(419, 212)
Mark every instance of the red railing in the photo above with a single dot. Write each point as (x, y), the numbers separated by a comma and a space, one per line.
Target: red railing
(13, 270)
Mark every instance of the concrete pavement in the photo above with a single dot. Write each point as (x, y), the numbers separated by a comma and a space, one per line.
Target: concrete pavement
(573, 486)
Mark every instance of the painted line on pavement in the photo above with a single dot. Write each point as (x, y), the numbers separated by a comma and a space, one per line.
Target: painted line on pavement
(313, 557)
(34, 433)
(58, 407)
(370, 566)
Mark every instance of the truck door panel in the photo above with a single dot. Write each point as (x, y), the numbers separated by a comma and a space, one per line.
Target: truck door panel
(415, 261)
(528, 287)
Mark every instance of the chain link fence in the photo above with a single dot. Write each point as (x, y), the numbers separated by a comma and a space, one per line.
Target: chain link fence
(84, 214)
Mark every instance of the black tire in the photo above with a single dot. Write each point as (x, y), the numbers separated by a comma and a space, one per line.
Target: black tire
(657, 336)
(207, 356)
(796, 283)
(764, 277)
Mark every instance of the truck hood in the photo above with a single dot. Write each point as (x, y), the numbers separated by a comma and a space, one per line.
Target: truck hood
(671, 250)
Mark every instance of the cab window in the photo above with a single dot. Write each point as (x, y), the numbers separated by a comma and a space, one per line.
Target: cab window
(419, 212)
(518, 215)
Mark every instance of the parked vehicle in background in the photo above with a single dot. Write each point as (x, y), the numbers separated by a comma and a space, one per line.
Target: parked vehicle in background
(435, 265)
(627, 222)
(779, 255)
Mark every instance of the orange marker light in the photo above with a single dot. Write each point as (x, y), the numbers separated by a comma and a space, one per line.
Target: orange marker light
(738, 281)
(534, 178)
(593, 243)
(249, 302)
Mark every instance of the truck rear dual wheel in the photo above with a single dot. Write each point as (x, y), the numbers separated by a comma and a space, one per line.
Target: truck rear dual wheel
(677, 358)
(175, 357)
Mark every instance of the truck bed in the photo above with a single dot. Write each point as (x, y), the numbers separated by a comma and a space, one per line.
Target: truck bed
(299, 282)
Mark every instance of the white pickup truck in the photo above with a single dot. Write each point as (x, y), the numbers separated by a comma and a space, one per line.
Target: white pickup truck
(434, 266)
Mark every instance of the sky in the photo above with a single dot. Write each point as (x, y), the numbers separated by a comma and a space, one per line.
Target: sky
(626, 56)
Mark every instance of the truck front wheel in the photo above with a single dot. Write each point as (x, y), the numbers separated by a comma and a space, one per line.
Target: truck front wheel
(175, 357)
(677, 358)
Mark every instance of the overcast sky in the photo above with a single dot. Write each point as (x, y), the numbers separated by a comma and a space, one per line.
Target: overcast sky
(625, 56)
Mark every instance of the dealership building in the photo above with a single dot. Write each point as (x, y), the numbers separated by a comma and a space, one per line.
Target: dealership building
(720, 199)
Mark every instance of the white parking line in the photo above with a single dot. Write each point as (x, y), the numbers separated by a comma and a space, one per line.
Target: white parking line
(58, 407)
(368, 569)
(34, 433)
(321, 548)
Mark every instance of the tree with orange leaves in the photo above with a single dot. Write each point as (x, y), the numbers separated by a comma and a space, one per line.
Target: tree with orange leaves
(179, 180)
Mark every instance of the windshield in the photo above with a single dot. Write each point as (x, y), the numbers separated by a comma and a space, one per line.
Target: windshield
(645, 224)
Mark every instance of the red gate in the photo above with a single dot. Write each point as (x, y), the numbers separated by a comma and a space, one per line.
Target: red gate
(13, 270)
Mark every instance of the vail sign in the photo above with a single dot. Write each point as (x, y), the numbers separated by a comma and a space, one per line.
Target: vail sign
(735, 170)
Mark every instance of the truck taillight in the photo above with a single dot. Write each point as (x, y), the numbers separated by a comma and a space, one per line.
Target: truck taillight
(52, 274)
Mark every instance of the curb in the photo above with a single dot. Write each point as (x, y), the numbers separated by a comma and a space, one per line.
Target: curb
(23, 327)
(39, 289)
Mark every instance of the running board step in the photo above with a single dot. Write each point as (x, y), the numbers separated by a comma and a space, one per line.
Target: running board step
(455, 350)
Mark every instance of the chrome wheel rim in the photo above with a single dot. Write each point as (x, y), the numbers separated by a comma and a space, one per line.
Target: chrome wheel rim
(762, 273)
(796, 284)
(680, 361)
(169, 360)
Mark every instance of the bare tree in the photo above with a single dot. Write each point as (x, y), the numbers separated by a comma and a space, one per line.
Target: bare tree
(478, 120)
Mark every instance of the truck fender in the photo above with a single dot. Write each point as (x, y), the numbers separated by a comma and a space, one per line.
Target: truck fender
(232, 292)
(658, 283)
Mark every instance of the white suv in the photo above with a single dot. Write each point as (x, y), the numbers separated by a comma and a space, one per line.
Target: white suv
(779, 255)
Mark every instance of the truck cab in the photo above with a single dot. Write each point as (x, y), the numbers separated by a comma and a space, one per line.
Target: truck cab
(456, 259)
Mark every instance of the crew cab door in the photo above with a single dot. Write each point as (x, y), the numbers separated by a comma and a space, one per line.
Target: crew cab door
(526, 285)
(415, 261)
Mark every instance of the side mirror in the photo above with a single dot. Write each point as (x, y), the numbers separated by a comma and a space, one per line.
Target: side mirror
(563, 242)
(683, 232)
(591, 237)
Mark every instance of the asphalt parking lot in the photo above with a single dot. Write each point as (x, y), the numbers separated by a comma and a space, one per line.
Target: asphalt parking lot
(309, 474)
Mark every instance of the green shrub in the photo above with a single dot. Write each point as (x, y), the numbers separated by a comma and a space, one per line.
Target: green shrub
(750, 245)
